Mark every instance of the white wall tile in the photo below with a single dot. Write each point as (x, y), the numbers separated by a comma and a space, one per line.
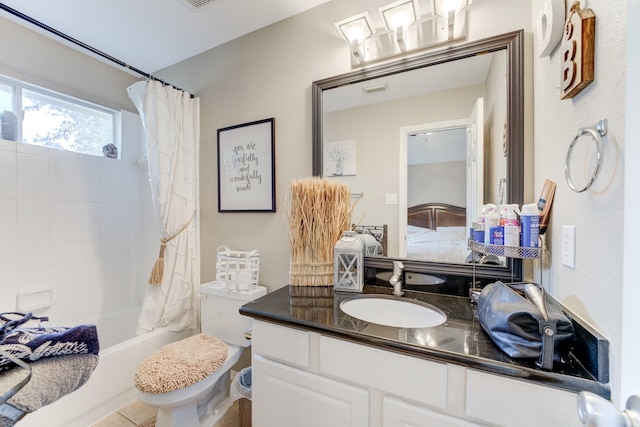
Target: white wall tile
(111, 171)
(113, 211)
(91, 270)
(8, 281)
(63, 165)
(88, 289)
(88, 231)
(88, 191)
(88, 250)
(34, 165)
(33, 233)
(89, 211)
(63, 273)
(63, 253)
(8, 210)
(110, 193)
(8, 235)
(8, 145)
(63, 190)
(131, 194)
(63, 232)
(33, 278)
(63, 211)
(8, 186)
(32, 257)
(7, 162)
(36, 150)
(33, 211)
(30, 188)
(8, 259)
(88, 169)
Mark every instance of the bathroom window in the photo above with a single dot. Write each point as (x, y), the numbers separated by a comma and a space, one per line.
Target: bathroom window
(41, 117)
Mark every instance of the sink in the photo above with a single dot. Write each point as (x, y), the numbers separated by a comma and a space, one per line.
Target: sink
(393, 311)
(413, 279)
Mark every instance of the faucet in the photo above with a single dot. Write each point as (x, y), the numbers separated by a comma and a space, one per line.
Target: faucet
(396, 278)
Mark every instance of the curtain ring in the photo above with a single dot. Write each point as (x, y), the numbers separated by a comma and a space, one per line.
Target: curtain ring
(597, 132)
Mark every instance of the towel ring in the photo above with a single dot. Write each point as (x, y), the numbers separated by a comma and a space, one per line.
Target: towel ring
(597, 132)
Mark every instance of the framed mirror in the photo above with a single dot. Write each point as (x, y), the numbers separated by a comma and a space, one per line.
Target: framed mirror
(424, 142)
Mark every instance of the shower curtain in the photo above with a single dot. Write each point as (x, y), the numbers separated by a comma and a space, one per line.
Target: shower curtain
(171, 121)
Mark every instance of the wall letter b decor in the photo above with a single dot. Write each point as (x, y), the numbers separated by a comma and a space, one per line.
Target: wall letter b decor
(578, 46)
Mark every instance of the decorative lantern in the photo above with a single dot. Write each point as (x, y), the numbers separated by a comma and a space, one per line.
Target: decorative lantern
(347, 263)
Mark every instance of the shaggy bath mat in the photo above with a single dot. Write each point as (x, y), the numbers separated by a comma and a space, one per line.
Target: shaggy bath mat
(180, 364)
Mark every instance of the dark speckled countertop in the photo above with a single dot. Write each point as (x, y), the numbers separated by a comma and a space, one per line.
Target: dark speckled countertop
(460, 340)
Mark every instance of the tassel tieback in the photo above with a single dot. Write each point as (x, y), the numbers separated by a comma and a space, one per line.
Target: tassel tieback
(158, 267)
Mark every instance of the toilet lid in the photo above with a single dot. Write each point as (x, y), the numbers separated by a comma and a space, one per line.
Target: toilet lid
(180, 364)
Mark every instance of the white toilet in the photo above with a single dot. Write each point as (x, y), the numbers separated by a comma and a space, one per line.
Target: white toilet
(206, 402)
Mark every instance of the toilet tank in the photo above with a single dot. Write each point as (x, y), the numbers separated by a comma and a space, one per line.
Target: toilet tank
(219, 312)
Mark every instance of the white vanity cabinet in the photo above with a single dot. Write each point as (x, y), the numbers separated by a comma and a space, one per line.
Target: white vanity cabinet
(303, 378)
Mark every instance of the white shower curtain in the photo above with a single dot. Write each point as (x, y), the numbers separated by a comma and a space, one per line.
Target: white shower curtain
(171, 120)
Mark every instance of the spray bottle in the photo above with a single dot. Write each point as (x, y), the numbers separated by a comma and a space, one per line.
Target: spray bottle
(511, 226)
(491, 219)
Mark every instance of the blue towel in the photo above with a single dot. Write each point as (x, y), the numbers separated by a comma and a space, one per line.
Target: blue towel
(33, 343)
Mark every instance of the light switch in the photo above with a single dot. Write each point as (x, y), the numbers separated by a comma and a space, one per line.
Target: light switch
(391, 198)
(569, 245)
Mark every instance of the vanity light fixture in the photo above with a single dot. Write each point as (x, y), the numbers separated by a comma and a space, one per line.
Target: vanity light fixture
(397, 17)
(406, 29)
(355, 30)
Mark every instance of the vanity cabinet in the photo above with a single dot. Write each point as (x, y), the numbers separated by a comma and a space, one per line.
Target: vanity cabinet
(305, 378)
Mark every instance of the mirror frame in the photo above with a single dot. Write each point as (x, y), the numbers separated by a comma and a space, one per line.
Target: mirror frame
(513, 43)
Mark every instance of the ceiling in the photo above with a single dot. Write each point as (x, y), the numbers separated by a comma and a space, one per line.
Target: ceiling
(153, 34)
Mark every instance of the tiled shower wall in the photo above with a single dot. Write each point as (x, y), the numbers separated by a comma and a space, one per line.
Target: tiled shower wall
(76, 231)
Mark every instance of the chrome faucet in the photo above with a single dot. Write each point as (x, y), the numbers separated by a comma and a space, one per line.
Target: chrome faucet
(396, 278)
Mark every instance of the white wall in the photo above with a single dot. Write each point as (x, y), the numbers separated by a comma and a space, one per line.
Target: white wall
(630, 351)
(594, 288)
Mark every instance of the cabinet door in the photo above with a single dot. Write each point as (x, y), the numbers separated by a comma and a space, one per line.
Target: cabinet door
(288, 397)
(506, 402)
(396, 413)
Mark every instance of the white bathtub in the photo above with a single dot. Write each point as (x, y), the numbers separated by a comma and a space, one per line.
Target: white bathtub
(111, 384)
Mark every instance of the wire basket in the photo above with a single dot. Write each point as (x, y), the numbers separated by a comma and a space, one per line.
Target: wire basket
(237, 270)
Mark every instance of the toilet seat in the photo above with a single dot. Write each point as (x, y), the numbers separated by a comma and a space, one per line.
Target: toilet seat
(193, 392)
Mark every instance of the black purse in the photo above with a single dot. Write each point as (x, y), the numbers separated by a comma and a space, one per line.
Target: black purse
(524, 322)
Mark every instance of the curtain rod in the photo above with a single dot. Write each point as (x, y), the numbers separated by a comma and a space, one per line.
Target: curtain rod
(83, 45)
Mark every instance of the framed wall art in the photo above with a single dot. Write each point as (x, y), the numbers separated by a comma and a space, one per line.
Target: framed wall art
(246, 167)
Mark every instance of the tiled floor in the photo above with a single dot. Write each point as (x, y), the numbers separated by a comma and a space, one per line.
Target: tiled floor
(136, 413)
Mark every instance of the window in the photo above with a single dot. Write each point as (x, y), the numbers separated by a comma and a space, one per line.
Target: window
(53, 120)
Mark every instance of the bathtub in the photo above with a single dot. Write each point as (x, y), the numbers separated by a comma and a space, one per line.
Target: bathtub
(111, 384)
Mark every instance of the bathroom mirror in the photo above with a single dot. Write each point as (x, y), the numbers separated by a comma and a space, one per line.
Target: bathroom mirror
(370, 127)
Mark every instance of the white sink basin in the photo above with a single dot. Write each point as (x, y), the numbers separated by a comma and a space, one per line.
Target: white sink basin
(393, 311)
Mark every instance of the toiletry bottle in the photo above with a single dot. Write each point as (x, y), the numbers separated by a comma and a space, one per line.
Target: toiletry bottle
(529, 216)
(511, 229)
(491, 220)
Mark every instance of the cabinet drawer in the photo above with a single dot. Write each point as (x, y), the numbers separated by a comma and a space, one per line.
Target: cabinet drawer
(506, 402)
(281, 343)
(396, 413)
(385, 371)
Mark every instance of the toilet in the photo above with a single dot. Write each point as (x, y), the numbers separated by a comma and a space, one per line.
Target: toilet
(205, 402)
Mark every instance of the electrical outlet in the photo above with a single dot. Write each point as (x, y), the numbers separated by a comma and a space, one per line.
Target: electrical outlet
(391, 198)
(569, 245)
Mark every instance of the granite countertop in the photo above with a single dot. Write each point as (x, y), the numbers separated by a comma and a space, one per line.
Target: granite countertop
(460, 340)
